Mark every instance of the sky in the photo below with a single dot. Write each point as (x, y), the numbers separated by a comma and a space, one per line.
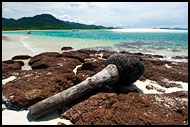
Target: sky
(115, 14)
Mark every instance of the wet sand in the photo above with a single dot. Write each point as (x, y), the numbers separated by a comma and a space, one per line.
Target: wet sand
(12, 46)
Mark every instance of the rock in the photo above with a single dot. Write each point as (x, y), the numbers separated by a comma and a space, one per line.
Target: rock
(42, 56)
(39, 65)
(90, 65)
(139, 53)
(157, 56)
(21, 57)
(130, 109)
(88, 52)
(82, 76)
(54, 62)
(9, 62)
(76, 55)
(12, 62)
(156, 71)
(180, 57)
(106, 53)
(43, 60)
(176, 50)
(11, 66)
(56, 76)
(33, 94)
(129, 67)
(89, 68)
(107, 105)
(20, 62)
(33, 86)
(153, 56)
(66, 48)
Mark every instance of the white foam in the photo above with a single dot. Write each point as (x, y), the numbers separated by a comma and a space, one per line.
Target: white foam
(28, 46)
(24, 42)
(11, 78)
(148, 30)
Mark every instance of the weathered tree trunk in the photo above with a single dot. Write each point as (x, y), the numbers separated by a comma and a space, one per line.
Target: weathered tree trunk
(108, 75)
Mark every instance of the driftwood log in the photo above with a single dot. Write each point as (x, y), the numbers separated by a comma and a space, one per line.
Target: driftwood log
(108, 76)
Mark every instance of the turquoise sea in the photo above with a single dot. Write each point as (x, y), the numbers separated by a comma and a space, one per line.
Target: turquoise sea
(172, 43)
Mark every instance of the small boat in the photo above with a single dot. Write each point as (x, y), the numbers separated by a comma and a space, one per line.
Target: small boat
(30, 32)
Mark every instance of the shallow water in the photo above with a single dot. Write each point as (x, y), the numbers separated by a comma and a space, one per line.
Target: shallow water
(163, 43)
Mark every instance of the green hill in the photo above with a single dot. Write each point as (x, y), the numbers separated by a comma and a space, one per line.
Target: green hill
(44, 21)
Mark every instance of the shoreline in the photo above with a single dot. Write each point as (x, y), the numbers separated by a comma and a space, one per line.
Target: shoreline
(116, 30)
(161, 78)
(49, 30)
(13, 46)
(18, 46)
(149, 30)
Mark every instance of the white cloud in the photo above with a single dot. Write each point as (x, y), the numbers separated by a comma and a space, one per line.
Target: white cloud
(7, 10)
(105, 13)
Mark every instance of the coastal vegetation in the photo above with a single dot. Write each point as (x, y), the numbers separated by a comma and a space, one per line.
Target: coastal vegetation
(44, 21)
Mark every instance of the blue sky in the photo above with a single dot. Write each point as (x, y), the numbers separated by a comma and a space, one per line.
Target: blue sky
(116, 14)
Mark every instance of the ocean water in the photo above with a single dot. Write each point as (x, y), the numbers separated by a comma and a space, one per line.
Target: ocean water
(163, 43)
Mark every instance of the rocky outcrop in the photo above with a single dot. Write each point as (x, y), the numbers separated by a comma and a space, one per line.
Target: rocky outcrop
(107, 105)
(156, 70)
(89, 68)
(130, 109)
(21, 57)
(106, 53)
(56, 76)
(180, 57)
(12, 62)
(37, 58)
(66, 48)
(76, 55)
(11, 65)
(24, 87)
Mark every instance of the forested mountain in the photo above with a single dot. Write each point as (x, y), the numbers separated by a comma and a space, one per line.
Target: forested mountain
(44, 21)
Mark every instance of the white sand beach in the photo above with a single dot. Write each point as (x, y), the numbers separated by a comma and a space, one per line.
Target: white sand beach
(15, 44)
(141, 86)
(148, 30)
(10, 117)
(12, 45)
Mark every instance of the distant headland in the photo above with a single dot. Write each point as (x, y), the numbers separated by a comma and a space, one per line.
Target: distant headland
(44, 21)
